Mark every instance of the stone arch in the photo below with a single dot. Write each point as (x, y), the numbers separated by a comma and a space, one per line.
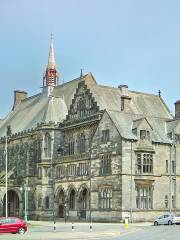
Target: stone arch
(83, 200)
(15, 202)
(72, 197)
(60, 198)
(15, 189)
(70, 187)
(57, 191)
(82, 187)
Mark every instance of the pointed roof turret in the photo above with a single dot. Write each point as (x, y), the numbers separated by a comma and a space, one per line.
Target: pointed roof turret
(51, 75)
(51, 60)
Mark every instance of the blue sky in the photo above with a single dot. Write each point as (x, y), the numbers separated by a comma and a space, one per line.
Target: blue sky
(133, 42)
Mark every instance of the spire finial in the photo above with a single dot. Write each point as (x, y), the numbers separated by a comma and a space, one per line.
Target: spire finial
(81, 73)
(52, 36)
(51, 60)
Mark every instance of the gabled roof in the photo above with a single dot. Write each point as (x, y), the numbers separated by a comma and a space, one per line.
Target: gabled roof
(171, 125)
(68, 89)
(137, 123)
(109, 98)
(124, 123)
(159, 133)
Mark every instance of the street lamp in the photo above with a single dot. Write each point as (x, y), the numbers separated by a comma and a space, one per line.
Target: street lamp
(25, 188)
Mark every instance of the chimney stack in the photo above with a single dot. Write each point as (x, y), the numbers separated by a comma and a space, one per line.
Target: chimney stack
(18, 97)
(177, 109)
(125, 98)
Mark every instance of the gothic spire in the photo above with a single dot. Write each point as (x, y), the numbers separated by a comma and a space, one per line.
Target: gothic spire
(51, 60)
(51, 75)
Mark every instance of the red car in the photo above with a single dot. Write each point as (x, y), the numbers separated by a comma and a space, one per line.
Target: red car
(12, 225)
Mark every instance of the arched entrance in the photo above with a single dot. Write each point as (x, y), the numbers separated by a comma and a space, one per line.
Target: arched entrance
(61, 212)
(72, 200)
(13, 204)
(83, 203)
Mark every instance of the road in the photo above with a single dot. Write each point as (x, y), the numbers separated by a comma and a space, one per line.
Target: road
(106, 231)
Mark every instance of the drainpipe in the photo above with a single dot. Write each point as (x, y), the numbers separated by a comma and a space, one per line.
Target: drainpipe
(170, 180)
(131, 185)
(175, 186)
(174, 148)
(90, 188)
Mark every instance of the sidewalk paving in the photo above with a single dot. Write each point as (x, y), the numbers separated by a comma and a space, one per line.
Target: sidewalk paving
(42, 230)
(60, 223)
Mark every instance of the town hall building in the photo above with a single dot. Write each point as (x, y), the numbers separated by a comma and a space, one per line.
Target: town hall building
(82, 151)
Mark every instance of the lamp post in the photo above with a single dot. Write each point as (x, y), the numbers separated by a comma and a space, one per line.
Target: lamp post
(53, 192)
(25, 189)
(8, 133)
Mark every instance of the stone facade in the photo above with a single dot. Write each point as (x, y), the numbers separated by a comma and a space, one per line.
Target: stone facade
(91, 152)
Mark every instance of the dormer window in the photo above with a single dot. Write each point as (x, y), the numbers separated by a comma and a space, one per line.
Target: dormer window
(170, 135)
(134, 131)
(144, 135)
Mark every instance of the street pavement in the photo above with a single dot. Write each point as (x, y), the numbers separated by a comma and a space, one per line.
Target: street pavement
(155, 233)
(108, 231)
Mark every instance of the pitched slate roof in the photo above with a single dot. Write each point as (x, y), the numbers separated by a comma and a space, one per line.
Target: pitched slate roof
(43, 107)
(37, 109)
(124, 123)
(171, 125)
(140, 103)
(54, 108)
(1, 120)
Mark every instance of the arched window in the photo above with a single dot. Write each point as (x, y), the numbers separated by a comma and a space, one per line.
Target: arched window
(46, 202)
(47, 145)
(82, 145)
(72, 200)
(84, 199)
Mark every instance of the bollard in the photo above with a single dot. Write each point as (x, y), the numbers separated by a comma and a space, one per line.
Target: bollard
(54, 226)
(72, 227)
(126, 224)
(90, 227)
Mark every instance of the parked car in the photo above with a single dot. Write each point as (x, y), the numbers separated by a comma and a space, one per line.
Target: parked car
(177, 218)
(167, 219)
(12, 225)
